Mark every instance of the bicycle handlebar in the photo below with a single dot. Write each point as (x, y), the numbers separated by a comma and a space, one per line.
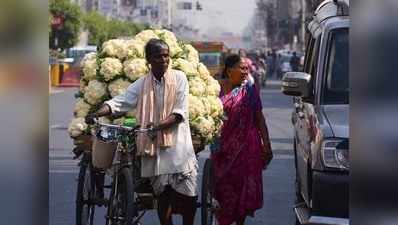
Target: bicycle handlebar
(129, 129)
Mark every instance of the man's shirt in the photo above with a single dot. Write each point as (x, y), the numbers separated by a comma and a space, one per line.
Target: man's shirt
(178, 158)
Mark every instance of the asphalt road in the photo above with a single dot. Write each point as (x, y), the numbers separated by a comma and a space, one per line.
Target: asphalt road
(278, 178)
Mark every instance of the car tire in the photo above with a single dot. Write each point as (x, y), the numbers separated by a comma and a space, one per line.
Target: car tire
(298, 198)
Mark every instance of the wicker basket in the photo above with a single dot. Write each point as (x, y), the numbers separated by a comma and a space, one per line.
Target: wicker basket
(84, 142)
(103, 152)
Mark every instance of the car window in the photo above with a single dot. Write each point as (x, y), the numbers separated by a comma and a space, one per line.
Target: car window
(312, 61)
(336, 84)
(308, 53)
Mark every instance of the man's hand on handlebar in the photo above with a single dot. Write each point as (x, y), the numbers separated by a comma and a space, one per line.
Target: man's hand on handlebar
(152, 132)
(105, 110)
(89, 119)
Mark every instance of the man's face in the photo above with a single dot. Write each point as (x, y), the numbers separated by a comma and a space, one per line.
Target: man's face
(159, 60)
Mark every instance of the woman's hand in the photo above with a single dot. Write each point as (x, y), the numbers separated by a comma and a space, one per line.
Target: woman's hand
(267, 155)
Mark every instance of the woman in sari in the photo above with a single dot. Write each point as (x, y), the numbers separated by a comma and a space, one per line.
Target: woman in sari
(244, 148)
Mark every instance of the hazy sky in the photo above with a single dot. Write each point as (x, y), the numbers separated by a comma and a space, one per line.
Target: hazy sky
(229, 15)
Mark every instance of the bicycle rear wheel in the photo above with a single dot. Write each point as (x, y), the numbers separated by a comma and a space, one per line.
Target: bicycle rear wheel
(85, 207)
(121, 208)
(207, 207)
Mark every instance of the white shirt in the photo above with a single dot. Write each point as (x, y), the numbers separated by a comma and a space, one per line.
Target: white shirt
(178, 158)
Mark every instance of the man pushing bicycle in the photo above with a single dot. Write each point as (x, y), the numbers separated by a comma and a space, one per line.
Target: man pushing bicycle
(167, 155)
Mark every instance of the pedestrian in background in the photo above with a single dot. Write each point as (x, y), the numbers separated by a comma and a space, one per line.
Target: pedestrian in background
(270, 64)
(244, 148)
(295, 62)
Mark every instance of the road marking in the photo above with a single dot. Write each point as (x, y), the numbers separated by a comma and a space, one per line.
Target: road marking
(63, 163)
(56, 91)
(283, 156)
(64, 171)
(59, 127)
(205, 155)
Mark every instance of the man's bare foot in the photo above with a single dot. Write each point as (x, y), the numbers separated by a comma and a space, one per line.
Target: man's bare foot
(216, 208)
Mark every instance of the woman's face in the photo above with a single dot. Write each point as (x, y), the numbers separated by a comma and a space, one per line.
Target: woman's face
(238, 73)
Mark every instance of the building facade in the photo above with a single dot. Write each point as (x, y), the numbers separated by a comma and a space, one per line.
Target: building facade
(180, 16)
(285, 21)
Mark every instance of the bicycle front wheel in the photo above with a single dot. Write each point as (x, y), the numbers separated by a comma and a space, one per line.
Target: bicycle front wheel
(207, 201)
(85, 207)
(121, 208)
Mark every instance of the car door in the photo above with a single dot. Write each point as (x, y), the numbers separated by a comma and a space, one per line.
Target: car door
(304, 111)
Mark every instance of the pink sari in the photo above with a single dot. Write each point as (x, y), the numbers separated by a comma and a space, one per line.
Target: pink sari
(238, 164)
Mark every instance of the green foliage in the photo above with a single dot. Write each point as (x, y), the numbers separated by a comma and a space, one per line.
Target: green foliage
(96, 24)
(68, 34)
(79, 94)
(100, 29)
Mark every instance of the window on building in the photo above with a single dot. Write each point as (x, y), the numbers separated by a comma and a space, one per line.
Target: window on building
(184, 5)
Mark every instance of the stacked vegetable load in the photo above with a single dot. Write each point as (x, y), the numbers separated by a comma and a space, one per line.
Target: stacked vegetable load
(119, 62)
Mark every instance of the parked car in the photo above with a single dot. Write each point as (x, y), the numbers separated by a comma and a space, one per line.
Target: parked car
(283, 61)
(320, 118)
(77, 53)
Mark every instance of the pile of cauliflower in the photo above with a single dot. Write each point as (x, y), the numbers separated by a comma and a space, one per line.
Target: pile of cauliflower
(109, 72)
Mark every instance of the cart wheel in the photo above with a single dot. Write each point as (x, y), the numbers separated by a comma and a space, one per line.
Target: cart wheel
(85, 206)
(121, 208)
(208, 217)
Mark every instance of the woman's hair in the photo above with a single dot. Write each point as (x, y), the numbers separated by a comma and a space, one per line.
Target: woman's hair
(230, 62)
(153, 46)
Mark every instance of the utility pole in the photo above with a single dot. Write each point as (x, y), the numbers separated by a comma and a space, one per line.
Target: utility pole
(303, 17)
(170, 8)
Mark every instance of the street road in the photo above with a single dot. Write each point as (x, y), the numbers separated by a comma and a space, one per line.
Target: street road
(278, 178)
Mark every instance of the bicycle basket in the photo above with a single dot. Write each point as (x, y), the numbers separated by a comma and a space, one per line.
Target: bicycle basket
(107, 134)
(84, 142)
(103, 153)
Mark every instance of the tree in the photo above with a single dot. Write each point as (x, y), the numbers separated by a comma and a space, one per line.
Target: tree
(65, 25)
(100, 29)
(96, 24)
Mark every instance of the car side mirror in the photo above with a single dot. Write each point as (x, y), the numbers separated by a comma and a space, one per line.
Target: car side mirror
(296, 84)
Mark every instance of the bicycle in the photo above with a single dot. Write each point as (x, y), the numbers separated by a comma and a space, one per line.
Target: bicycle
(131, 195)
(86, 200)
(208, 204)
